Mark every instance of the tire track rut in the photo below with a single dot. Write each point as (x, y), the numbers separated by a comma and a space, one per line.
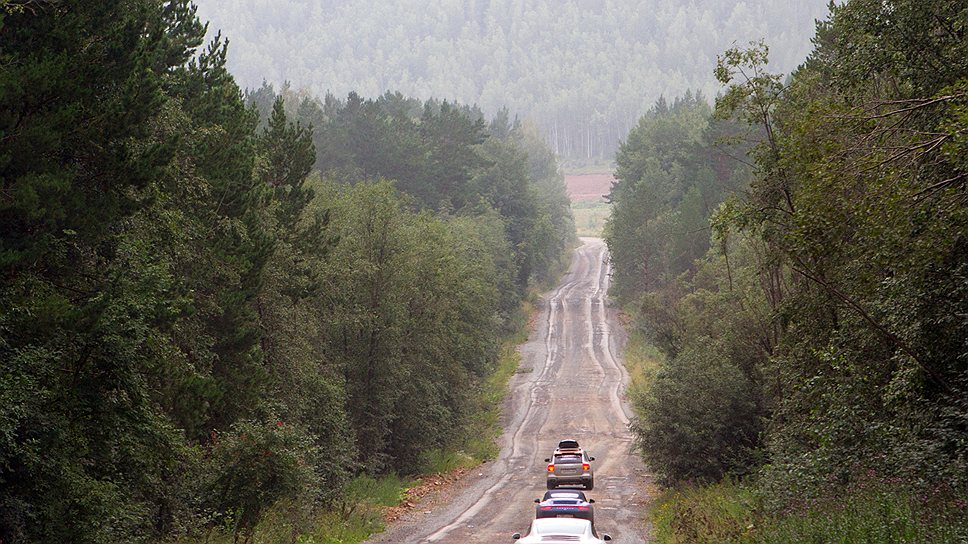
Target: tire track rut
(574, 390)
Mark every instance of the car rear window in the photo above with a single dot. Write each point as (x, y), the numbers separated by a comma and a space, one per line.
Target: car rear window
(564, 495)
(568, 459)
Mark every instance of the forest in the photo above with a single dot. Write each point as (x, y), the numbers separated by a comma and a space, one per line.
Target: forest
(232, 307)
(582, 70)
(216, 302)
(797, 259)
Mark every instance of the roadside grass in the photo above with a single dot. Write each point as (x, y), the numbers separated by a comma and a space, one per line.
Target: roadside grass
(383, 491)
(439, 461)
(730, 512)
(577, 168)
(482, 444)
(717, 513)
(642, 361)
(350, 520)
(871, 511)
(590, 217)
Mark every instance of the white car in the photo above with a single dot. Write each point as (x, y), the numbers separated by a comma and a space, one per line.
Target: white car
(561, 531)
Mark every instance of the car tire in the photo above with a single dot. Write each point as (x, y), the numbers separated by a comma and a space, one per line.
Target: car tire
(551, 485)
(589, 485)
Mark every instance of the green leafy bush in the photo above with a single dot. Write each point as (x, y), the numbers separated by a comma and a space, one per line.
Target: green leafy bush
(697, 420)
(255, 465)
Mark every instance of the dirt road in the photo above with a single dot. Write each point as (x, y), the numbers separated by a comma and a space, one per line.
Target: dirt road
(570, 385)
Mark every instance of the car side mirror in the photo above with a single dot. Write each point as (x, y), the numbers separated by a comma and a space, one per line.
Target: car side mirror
(547, 459)
(606, 537)
(591, 501)
(537, 500)
(591, 458)
(517, 536)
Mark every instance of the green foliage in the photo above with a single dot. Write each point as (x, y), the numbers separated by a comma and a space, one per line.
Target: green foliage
(288, 154)
(412, 352)
(881, 513)
(256, 464)
(722, 512)
(671, 176)
(590, 217)
(831, 302)
(450, 161)
(86, 456)
(481, 439)
(873, 235)
(699, 414)
(197, 333)
(698, 418)
(350, 520)
(756, 92)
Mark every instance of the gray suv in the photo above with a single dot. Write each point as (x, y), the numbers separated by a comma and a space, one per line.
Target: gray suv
(570, 466)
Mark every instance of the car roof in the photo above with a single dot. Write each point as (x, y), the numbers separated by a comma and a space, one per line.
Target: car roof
(568, 445)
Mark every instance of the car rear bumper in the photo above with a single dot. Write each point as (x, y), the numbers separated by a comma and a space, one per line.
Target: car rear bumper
(570, 480)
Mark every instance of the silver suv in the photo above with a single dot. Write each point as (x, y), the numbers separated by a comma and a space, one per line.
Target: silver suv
(570, 465)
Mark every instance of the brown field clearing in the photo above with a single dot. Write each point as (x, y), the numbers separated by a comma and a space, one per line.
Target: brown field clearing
(588, 187)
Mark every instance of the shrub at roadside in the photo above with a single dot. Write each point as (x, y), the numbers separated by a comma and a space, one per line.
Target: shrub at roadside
(257, 464)
(698, 415)
(879, 511)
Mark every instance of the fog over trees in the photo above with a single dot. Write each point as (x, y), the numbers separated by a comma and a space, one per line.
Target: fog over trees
(582, 70)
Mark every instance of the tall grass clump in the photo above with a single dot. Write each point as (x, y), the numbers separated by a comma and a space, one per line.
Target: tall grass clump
(869, 513)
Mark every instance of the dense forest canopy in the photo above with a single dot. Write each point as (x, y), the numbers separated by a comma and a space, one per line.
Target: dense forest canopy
(582, 70)
(212, 304)
(811, 309)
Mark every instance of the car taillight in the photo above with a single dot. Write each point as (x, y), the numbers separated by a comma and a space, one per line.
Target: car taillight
(551, 468)
(546, 508)
(583, 508)
(585, 466)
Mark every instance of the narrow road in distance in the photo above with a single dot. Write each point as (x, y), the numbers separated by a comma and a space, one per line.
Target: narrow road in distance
(570, 385)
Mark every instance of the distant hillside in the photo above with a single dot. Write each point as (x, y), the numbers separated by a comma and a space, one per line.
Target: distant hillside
(583, 70)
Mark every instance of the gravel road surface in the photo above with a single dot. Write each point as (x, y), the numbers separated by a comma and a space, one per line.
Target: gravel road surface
(570, 385)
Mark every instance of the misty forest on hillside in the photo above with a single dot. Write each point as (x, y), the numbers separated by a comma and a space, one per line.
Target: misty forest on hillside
(582, 71)
(265, 265)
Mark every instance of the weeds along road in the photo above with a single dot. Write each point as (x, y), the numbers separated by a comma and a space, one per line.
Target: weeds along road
(570, 385)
